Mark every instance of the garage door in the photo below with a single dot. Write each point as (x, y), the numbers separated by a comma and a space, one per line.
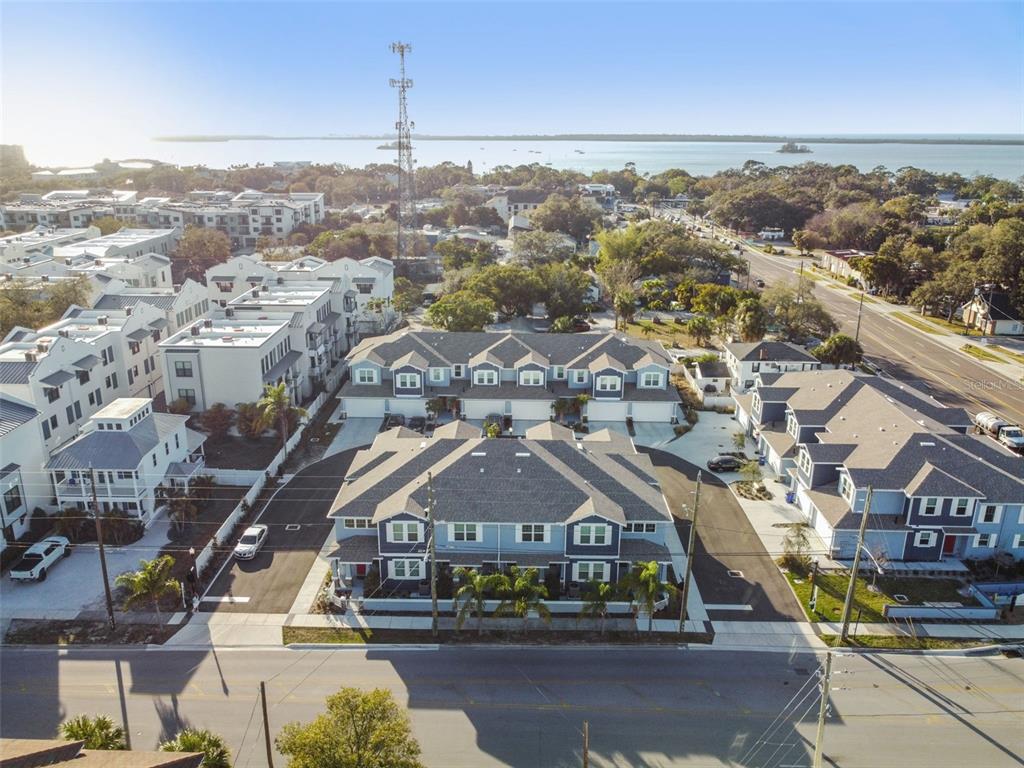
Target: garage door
(598, 411)
(532, 410)
(481, 409)
(409, 407)
(657, 412)
(363, 406)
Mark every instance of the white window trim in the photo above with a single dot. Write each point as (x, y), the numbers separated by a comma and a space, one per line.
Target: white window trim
(410, 565)
(578, 530)
(559, 372)
(390, 531)
(458, 370)
(415, 377)
(436, 375)
(924, 507)
(1018, 540)
(361, 371)
(473, 528)
(532, 374)
(521, 540)
(659, 380)
(932, 536)
(601, 380)
(357, 523)
(997, 517)
(579, 377)
(592, 565)
(988, 539)
(967, 508)
(489, 374)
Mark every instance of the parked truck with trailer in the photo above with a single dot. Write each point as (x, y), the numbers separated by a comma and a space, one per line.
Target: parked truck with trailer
(1009, 435)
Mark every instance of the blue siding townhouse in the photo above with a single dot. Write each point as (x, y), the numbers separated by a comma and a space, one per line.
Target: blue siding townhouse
(939, 494)
(576, 510)
(519, 375)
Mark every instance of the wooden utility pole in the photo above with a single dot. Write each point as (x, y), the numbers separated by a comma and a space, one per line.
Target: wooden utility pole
(848, 604)
(826, 683)
(103, 555)
(266, 725)
(690, 552)
(586, 744)
(433, 555)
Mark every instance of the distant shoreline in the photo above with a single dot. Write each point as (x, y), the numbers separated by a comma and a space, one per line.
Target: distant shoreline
(638, 137)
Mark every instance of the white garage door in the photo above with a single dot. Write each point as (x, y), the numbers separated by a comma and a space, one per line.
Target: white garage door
(409, 407)
(481, 409)
(598, 411)
(531, 410)
(656, 412)
(363, 406)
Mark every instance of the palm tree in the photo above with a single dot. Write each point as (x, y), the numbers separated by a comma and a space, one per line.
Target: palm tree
(150, 583)
(97, 732)
(215, 751)
(595, 601)
(472, 593)
(521, 593)
(276, 407)
(646, 586)
(181, 507)
(700, 329)
(739, 439)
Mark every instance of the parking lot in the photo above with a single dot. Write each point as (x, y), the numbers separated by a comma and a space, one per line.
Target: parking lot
(297, 519)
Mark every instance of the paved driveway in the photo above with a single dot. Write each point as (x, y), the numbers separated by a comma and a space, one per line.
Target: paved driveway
(270, 581)
(354, 433)
(75, 584)
(725, 542)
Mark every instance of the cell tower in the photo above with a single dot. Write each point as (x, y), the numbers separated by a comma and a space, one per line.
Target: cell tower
(406, 172)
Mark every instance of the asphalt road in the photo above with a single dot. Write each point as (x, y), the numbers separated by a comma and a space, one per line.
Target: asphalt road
(476, 707)
(270, 581)
(726, 542)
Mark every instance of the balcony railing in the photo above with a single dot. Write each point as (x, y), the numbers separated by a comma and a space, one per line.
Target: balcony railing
(68, 489)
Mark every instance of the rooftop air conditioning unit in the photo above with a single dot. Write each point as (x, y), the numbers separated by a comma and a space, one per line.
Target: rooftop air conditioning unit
(194, 330)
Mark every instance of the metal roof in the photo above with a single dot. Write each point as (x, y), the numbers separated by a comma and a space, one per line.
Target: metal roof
(13, 415)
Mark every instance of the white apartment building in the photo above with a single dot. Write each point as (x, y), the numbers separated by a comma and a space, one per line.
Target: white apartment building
(62, 208)
(70, 369)
(40, 242)
(128, 243)
(180, 304)
(128, 451)
(229, 358)
(515, 200)
(24, 485)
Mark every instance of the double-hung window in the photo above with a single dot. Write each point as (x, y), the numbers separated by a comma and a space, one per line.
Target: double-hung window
(404, 532)
(961, 509)
(925, 538)
(580, 377)
(990, 514)
(651, 380)
(531, 378)
(931, 507)
(589, 534)
(590, 571)
(607, 383)
(183, 369)
(985, 540)
(366, 376)
(458, 370)
(533, 532)
(437, 375)
(357, 522)
(406, 569)
(465, 532)
(559, 372)
(407, 381)
(485, 377)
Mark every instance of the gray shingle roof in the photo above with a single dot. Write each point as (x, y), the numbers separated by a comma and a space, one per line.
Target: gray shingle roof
(104, 449)
(770, 351)
(13, 415)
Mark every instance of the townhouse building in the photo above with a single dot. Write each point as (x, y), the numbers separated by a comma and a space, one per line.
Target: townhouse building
(39, 242)
(127, 243)
(125, 452)
(746, 359)
(229, 357)
(518, 375)
(180, 304)
(24, 486)
(577, 510)
(939, 494)
(74, 208)
(516, 200)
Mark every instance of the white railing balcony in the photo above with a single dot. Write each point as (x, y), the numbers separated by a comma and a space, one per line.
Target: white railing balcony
(67, 489)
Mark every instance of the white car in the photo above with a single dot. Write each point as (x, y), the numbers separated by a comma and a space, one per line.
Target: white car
(39, 558)
(251, 542)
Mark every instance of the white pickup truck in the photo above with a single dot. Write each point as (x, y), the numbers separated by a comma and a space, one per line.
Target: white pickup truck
(1010, 435)
(40, 557)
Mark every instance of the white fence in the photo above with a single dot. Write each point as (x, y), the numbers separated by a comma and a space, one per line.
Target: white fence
(707, 399)
(939, 613)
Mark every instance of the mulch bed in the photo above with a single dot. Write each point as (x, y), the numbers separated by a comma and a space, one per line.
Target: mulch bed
(241, 453)
(76, 632)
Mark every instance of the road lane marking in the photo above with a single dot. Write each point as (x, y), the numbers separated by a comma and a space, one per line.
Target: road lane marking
(226, 599)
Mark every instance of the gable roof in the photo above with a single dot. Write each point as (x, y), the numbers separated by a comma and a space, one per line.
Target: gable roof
(770, 351)
(104, 449)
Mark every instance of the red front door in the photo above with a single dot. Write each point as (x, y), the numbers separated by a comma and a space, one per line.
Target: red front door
(948, 545)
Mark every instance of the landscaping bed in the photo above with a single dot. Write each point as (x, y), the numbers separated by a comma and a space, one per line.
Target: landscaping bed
(981, 354)
(752, 491)
(75, 632)
(902, 642)
(241, 453)
(293, 635)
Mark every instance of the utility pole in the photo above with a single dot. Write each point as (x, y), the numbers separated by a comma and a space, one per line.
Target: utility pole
(433, 554)
(586, 744)
(266, 725)
(690, 553)
(860, 309)
(103, 555)
(848, 604)
(826, 683)
(406, 172)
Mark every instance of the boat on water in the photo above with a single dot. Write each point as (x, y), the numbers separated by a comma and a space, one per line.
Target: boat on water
(579, 151)
(389, 145)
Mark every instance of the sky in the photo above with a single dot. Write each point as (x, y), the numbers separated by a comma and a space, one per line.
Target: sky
(84, 74)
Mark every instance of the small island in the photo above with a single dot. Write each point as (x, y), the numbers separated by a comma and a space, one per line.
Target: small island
(792, 148)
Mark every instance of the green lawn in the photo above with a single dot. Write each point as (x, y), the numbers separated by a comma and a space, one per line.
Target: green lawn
(669, 333)
(832, 594)
(1008, 352)
(958, 328)
(981, 354)
(917, 322)
(899, 642)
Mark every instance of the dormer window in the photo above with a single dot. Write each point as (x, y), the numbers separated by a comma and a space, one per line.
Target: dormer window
(651, 380)
(366, 376)
(531, 378)
(407, 381)
(486, 378)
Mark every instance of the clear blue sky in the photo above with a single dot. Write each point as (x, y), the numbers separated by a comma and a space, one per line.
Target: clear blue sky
(144, 69)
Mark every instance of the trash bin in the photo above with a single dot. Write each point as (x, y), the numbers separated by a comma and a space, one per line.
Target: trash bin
(761, 460)
(790, 497)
